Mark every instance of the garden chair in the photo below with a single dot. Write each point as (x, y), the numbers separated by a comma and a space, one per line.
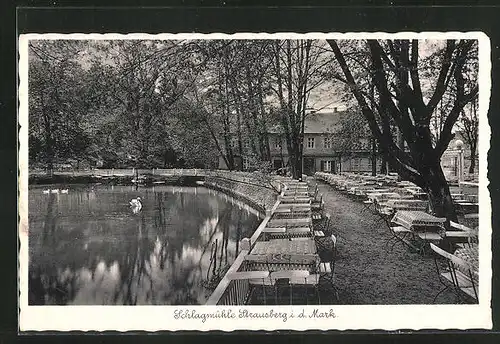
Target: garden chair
(368, 206)
(326, 268)
(308, 282)
(460, 235)
(327, 254)
(398, 234)
(324, 225)
(456, 275)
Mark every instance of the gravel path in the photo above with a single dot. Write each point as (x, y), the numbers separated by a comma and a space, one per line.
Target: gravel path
(368, 272)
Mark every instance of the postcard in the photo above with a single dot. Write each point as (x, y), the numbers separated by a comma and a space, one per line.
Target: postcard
(254, 181)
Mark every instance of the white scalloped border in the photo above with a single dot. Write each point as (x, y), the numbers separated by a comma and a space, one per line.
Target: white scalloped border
(154, 318)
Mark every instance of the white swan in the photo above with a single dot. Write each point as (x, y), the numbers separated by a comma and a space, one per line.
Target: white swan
(54, 190)
(46, 191)
(64, 191)
(136, 204)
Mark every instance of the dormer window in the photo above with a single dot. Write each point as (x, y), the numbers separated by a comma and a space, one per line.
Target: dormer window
(310, 142)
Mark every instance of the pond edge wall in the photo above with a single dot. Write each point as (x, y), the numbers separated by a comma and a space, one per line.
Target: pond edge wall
(212, 184)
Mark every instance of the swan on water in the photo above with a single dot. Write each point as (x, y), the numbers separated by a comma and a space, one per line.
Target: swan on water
(46, 191)
(65, 191)
(54, 190)
(136, 204)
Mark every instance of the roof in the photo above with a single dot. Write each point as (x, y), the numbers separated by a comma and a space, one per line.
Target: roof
(317, 123)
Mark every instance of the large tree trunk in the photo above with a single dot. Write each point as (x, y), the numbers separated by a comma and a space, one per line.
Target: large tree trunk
(297, 169)
(374, 157)
(473, 154)
(49, 148)
(440, 200)
(238, 132)
(229, 153)
(383, 166)
(265, 136)
(472, 166)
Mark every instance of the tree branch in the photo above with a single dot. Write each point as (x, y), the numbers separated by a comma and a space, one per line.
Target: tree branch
(441, 82)
(393, 152)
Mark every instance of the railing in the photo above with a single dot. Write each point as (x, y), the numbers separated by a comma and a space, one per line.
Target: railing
(230, 292)
(236, 293)
(155, 171)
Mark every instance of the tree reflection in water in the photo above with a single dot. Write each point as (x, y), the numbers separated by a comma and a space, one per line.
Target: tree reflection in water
(87, 247)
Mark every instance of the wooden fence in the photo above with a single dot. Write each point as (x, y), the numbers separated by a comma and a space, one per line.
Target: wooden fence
(155, 171)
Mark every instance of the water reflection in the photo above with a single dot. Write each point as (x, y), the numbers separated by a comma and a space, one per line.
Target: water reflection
(89, 247)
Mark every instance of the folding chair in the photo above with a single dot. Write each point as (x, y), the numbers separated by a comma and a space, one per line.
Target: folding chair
(461, 235)
(327, 258)
(398, 233)
(326, 265)
(368, 206)
(324, 225)
(456, 275)
(325, 245)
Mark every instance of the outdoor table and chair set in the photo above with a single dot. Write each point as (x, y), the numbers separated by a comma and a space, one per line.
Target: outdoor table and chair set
(404, 208)
(289, 261)
(288, 265)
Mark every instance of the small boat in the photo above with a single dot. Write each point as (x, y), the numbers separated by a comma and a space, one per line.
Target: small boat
(54, 191)
(46, 191)
(64, 191)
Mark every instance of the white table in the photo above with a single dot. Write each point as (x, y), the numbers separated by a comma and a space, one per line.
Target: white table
(427, 227)
(413, 204)
(284, 246)
(274, 230)
(413, 218)
(242, 275)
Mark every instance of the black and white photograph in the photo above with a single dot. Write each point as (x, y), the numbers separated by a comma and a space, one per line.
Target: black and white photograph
(314, 175)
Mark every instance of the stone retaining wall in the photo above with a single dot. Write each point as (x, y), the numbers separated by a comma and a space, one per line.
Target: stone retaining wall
(246, 187)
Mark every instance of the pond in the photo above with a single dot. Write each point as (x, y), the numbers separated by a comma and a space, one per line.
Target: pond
(87, 246)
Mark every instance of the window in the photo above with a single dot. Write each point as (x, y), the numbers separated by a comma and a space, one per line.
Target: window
(355, 164)
(326, 165)
(310, 142)
(327, 142)
(246, 163)
(277, 143)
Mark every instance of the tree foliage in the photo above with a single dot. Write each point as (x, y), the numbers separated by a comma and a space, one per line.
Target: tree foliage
(152, 103)
(410, 80)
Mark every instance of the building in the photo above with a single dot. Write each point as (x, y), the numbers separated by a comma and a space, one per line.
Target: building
(321, 149)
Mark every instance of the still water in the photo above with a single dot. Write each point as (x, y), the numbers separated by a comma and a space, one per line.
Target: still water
(88, 247)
